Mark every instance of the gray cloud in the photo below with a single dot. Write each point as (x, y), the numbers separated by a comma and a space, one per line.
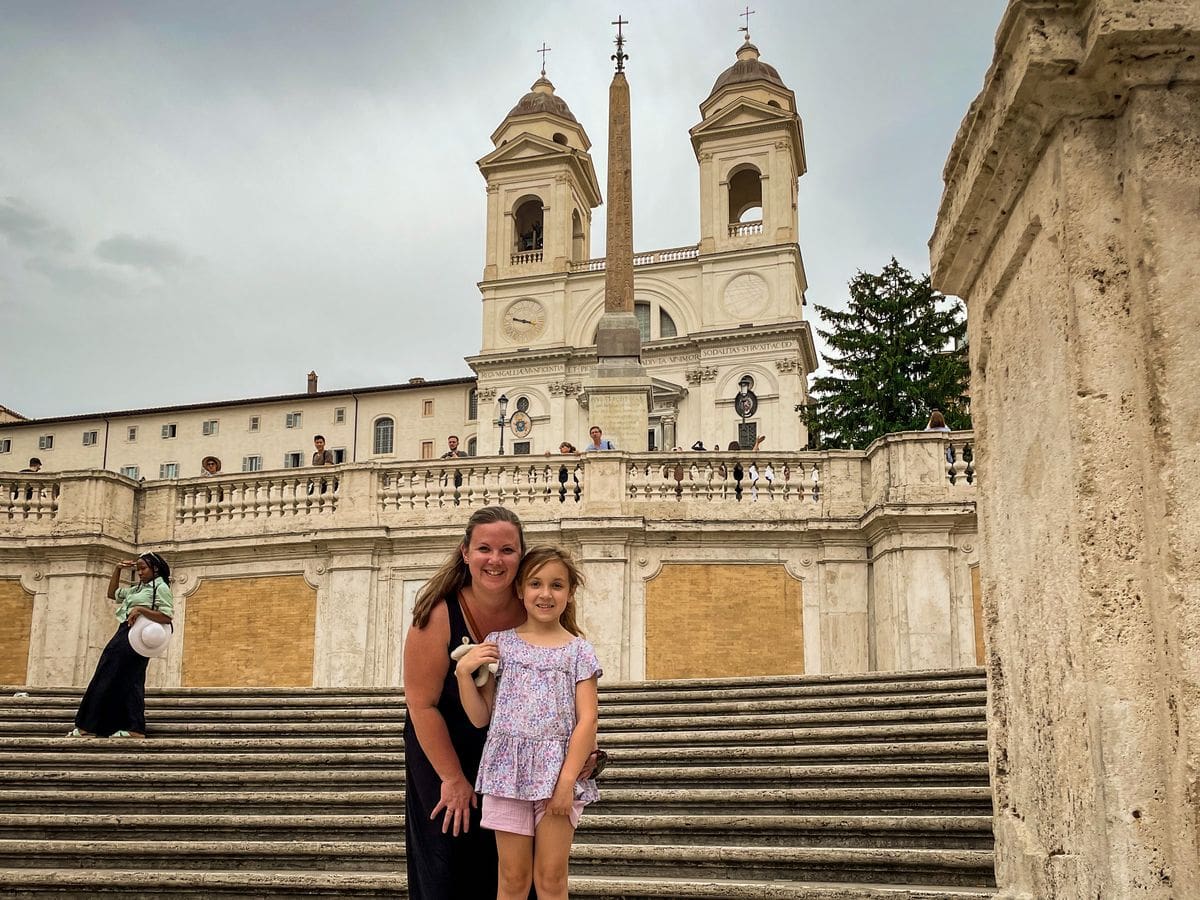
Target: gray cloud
(140, 253)
(22, 227)
(80, 282)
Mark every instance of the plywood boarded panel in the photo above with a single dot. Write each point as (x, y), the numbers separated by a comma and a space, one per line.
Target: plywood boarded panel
(16, 618)
(710, 620)
(252, 632)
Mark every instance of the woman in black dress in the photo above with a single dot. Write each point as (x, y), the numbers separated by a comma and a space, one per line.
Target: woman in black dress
(450, 857)
(115, 701)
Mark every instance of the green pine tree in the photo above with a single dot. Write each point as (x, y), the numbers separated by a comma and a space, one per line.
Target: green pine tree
(897, 352)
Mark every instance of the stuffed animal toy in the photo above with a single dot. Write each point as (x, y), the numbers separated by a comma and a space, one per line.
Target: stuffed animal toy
(484, 673)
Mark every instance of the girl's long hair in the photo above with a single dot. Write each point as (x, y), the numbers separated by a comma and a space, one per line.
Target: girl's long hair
(453, 574)
(936, 419)
(533, 562)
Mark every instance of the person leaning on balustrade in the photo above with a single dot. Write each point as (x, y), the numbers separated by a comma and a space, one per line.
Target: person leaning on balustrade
(114, 704)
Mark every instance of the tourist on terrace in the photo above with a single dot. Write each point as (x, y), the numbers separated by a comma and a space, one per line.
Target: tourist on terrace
(449, 855)
(210, 466)
(114, 704)
(599, 442)
(937, 422)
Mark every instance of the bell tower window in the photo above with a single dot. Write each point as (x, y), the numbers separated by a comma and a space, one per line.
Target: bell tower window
(745, 196)
(578, 239)
(527, 223)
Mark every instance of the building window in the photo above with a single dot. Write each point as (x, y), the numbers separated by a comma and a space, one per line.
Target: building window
(385, 430)
(168, 470)
(472, 446)
(131, 472)
(209, 427)
(521, 448)
(254, 423)
(473, 405)
(170, 430)
(251, 463)
(6, 445)
(131, 433)
(339, 455)
(46, 442)
(293, 420)
(339, 415)
(426, 449)
(523, 404)
(293, 460)
(654, 322)
(426, 408)
(89, 438)
(666, 325)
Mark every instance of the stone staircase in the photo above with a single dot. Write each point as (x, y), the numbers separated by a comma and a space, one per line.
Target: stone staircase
(833, 787)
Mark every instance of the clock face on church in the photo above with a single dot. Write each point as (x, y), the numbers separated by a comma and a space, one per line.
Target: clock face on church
(524, 320)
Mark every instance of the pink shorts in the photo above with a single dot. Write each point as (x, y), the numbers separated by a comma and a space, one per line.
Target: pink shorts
(520, 816)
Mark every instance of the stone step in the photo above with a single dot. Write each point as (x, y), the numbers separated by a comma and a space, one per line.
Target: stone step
(103, 753)
(964, 832)
(391, 777)
(22, 884)
(166, 796)
(673, 692)
(828, 864)
(233, 826)
(909, 865)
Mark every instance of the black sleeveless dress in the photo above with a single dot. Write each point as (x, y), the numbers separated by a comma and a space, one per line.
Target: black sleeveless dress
(441, 866)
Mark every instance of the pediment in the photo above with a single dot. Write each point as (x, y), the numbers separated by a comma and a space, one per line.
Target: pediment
(526, 146)
(744, 112)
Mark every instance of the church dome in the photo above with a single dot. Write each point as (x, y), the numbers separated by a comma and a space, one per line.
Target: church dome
(747, 68)
(542, 99)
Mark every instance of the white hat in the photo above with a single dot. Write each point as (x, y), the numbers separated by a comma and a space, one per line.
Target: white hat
(149, 638)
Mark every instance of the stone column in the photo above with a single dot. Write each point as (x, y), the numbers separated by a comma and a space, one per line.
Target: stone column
(1071, 225)
(345, 620)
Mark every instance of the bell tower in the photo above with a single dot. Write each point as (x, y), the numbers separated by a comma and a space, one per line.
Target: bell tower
(541, 188)
(750, 147)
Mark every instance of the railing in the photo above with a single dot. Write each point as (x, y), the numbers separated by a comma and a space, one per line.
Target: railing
(725, 478)
(28, 498)
(526, 257)
(960, 461)
(268, 497)
(482, 482)
(672, 254)
(738, 229)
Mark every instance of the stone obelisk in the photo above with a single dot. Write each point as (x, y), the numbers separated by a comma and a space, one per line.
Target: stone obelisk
(619, 393)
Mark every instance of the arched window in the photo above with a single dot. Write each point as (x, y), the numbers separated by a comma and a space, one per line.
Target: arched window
(666, 325)
(385, 431)
(745, 196)
(654, 322)
(578, 242)
(527, 223)
(472, 446)
(473, 405)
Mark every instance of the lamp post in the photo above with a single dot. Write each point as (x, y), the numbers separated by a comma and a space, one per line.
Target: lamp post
(744, 408)
(502, 421)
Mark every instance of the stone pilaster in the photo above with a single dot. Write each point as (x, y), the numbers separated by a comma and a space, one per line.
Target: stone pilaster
(1070, 224)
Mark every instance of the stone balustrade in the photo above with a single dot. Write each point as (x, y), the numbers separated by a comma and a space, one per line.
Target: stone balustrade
(526, 257)
(911, 467)
(740, 229)
(672, 254)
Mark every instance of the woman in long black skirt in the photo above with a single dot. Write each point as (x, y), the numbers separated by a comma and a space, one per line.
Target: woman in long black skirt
(115, 701)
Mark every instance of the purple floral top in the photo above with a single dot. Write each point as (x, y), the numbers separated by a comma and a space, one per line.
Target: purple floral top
(534, 717)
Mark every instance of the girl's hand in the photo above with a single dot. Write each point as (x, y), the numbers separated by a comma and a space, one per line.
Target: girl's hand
(458, 798)
(479, 655)
(127, 564)
(134, 613)
(562, 799)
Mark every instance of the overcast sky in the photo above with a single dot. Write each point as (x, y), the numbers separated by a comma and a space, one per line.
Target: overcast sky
(205, 200)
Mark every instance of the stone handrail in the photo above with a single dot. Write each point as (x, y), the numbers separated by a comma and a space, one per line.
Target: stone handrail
(265, 496)
(526, 257)
(651, 257)
(29, 497)
(738, 229)
(912, 469)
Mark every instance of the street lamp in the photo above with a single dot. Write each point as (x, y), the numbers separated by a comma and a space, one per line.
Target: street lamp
(502, 421)
(745, 407)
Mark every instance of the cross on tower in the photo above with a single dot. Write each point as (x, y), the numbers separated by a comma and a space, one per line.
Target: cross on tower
(544, 51)
(620, 56)
(746, 13)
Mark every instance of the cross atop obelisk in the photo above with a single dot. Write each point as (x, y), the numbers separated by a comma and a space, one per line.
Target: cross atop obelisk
(619, 394)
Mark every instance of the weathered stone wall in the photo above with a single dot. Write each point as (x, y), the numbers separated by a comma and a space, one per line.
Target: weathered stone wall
(1070, 224)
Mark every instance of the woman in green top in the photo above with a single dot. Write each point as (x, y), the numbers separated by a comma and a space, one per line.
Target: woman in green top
(115, 701)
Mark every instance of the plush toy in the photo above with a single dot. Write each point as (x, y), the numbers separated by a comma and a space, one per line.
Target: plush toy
(484, 673)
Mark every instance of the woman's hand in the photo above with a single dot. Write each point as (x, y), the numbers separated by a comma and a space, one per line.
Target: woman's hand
(458, 798)
(479, 655)
(134, 613)
(562, 799)
(127, 564)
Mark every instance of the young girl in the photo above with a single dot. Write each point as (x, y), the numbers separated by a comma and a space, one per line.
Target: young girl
(543, 728)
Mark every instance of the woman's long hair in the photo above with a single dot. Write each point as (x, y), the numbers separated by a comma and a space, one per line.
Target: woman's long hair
(453, 574)
(532, 563)
(158, 569)
(936, 419)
